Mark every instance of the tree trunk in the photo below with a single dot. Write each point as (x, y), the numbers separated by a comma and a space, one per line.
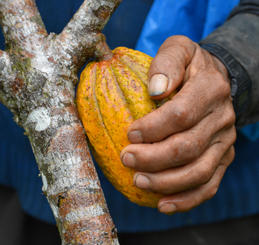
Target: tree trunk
(37, 76)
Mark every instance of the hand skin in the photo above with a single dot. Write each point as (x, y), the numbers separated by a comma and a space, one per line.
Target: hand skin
(183, 148)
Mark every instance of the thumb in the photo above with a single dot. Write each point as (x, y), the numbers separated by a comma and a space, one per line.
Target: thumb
(167, 69)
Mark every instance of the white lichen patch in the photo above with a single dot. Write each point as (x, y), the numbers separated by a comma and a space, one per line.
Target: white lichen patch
(66, 173)
(66, 117)
(40, 62)
(84, 213)
(44, 182)
(93, 184)
(64, 169)
(40, 117)
(27, 28)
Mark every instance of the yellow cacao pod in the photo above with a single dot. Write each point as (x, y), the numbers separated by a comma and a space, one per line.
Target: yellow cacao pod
(111, 95)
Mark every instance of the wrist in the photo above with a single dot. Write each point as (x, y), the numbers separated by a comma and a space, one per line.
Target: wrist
(240, 81)
(221, 68)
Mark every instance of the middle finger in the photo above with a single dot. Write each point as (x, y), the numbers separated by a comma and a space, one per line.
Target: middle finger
(180, 148)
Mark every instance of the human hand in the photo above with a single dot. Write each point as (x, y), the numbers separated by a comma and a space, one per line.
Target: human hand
(183, 148)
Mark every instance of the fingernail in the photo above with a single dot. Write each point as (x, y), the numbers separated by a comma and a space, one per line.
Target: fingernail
(141, 181)
(167, 208)
(135, 136)
(158, 84)
(128, 160)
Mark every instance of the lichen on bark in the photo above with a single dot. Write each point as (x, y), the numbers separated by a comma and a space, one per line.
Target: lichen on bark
(37, 76)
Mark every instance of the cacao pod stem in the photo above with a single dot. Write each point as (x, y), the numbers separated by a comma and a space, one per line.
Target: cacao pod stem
(102, 50)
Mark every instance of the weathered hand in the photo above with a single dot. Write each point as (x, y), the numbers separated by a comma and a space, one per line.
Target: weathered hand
(183, 148)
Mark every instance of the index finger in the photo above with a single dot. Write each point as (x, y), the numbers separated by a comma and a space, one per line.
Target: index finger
(190, 105)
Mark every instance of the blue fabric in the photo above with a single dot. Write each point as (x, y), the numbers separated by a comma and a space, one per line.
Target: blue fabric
(238, 195)
(195, 19)
(251, 131)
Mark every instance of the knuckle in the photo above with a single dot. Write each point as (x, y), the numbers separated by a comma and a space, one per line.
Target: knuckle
(204, 174)
(184, 148)
(185, 142)
(181, 39)
(187, 145)
(230, 157)
(196, 146)
(229, 117)
(223, 85)
(181, 45)
(180, 113)
(175, 146)
(212, 192)
(178, 153)
(233, 134)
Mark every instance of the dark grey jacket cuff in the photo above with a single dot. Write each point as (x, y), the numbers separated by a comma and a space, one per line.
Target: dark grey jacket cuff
(239, 79)
(246, 6)
(236, 44)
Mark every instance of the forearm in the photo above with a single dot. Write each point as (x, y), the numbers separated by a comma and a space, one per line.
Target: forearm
(236, 45)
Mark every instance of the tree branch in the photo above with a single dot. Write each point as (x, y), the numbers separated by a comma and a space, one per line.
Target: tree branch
(22, 24)
(36, 84)
(79, 37)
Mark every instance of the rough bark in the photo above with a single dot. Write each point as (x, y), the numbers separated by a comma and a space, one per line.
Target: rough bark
(37, 76)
